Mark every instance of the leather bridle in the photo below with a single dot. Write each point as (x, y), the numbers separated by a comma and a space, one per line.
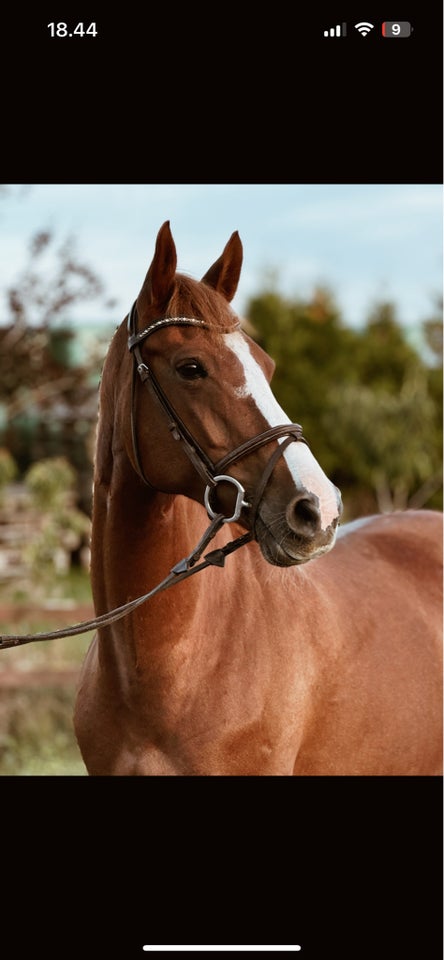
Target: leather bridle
(211, 473)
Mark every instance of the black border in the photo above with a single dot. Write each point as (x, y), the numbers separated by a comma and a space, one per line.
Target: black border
(348, 867)
(166, 98)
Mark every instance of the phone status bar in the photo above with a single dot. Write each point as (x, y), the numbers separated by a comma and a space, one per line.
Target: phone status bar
(389, 29)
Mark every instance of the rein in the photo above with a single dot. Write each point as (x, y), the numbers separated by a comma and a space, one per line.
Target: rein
(209, 471)
(181, 571)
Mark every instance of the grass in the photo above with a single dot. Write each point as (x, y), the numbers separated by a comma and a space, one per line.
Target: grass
(38, 684)
(36, 733)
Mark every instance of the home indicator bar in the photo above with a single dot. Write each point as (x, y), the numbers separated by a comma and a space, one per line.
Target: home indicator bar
(269, 949)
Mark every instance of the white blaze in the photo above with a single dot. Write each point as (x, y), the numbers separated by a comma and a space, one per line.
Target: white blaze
(303, 467)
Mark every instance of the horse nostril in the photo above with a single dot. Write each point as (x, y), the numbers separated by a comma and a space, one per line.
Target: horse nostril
(303, 516)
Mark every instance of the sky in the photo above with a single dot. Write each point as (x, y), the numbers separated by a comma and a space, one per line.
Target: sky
(366, 242)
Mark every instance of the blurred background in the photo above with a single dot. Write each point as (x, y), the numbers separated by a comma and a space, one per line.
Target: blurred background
(341, 285)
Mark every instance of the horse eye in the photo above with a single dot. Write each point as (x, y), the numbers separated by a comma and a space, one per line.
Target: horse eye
(191, 370)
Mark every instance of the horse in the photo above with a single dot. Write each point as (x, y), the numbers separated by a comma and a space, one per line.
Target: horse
(314, 650)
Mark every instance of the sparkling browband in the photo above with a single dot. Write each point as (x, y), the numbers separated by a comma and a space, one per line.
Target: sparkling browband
(136, 338)
(174, 321)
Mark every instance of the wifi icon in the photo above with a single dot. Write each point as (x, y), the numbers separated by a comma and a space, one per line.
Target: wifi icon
(364, 28)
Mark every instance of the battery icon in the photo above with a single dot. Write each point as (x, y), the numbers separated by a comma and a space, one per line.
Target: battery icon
(398, 28)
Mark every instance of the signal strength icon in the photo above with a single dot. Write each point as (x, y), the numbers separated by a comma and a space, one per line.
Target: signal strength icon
(340, 30)
(364, 28)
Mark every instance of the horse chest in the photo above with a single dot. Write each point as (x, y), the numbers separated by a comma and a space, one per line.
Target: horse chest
(225, 707)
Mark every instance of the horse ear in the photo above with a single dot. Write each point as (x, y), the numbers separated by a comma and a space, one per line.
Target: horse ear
(225, 272)
(158, 284)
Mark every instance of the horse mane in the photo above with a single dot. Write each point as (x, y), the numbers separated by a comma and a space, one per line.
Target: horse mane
(197, 299)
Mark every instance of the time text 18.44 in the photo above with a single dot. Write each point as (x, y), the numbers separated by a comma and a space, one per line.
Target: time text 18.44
(80, 30)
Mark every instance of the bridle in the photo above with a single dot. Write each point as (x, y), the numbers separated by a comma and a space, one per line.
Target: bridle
(211, 473)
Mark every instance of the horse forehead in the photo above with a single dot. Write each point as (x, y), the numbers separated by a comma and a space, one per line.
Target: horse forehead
(236, 342)
(253, 380)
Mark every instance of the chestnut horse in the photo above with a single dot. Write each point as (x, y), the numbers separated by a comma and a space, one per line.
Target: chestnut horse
(272, 665)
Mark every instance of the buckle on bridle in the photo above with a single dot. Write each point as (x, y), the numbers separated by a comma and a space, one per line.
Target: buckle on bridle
(240, 502)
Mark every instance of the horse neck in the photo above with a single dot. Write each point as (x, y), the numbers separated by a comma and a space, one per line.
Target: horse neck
(137, 536)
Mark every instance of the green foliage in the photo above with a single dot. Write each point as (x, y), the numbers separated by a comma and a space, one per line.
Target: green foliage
(433, 331)
(380, 434)
(51, 483)
(8, 468)
(369, 403)
(383, 356)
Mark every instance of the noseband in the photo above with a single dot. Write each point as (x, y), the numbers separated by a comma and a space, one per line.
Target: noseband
(211, 473)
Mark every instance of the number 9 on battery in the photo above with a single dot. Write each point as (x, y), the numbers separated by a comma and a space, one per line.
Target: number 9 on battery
(400, 28)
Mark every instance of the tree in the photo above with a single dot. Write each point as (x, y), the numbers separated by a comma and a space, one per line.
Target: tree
(433, 335)
(48, 400)
(8, 470)
(383, 355)
(63, 529)
(381, 434)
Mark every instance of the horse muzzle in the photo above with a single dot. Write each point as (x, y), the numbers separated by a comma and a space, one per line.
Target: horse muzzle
(295, 535)
(288, 532)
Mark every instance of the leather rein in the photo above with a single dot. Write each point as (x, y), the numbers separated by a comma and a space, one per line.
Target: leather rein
(211, 473)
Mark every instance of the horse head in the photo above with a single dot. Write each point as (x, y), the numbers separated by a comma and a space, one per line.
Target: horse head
(208, 385)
